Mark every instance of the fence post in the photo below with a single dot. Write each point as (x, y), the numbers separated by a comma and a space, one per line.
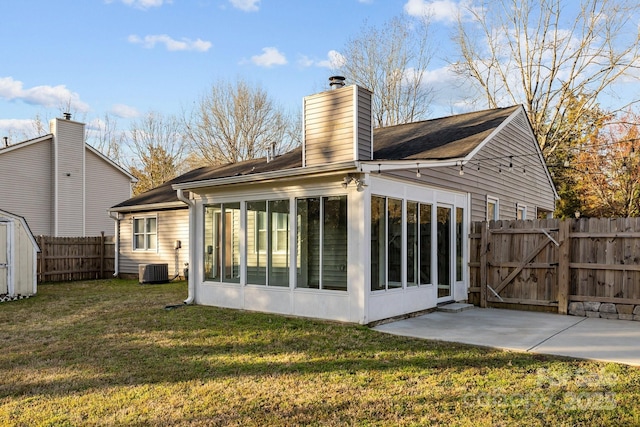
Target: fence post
(564, 274)
(42, 257)
(102, 255)
(484, 249)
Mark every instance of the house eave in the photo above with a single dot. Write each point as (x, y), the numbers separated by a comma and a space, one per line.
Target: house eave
(264, 177)
(149, 207)
(371, 166)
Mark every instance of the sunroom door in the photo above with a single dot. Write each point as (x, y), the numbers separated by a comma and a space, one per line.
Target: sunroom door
(445, 253)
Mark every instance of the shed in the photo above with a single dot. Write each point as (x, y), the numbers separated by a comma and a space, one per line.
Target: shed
(18, 258)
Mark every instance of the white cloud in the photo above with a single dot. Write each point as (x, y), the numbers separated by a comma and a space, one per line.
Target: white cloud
(269, 58)
(246, 5)
(46, 96)
(143, 4)
(124, 111)
(437, 10)
(334, 60)
(150, 41)
(15, 129)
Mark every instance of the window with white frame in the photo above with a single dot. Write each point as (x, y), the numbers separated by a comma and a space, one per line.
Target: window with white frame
(521, 211)
(492, 208)
(145, 233)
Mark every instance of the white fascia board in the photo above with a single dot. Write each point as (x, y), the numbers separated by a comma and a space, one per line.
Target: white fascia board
(149, 207)
(393, 165)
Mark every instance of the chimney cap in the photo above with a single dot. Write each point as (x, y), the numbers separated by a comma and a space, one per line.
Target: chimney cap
(67, 116)
(336, 81)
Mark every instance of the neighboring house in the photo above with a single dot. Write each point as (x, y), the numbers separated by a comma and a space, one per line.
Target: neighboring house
(357, 225)
(61, 185)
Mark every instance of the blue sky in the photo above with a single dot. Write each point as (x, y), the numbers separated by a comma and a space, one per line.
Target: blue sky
(129, 57)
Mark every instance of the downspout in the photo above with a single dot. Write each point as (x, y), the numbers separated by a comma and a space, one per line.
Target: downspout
(191, 281)
(117, 248)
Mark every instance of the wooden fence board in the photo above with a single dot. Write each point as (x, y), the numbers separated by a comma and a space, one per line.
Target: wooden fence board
(597, 260)
(75, 258)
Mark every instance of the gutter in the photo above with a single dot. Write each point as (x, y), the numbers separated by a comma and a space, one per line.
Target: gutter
(191, 291)
(116, 218)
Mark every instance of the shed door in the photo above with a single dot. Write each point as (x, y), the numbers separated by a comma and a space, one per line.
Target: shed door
(4, 258)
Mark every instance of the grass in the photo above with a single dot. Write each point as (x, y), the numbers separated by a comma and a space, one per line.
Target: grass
(109, 353)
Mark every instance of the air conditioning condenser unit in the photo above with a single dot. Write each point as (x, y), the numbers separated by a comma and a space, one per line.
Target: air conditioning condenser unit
(153, 273)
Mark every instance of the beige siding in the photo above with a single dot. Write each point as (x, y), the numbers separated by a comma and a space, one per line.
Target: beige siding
(69, 174)
(482, 178)
(24, 260)
(172, 225)
(105, 186)
(330, 124)
(28, 186)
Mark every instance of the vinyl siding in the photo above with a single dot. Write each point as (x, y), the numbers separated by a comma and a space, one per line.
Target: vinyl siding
(69, 143)
(330, 126)
(27, 186)
(532, 188)
(105, 186)
(172, 225)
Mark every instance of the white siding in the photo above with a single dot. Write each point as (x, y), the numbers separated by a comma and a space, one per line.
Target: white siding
(69, 175)
(172, 225)
(27, 185)
(106, 186)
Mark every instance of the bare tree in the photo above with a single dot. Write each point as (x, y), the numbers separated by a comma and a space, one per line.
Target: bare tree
(237, 121)
(158, 147)
(107, 139)
(392, 62)
(541, 54)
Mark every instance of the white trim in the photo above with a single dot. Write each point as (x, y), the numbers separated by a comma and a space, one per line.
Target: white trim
(149, 207)
(496, 202)
(133, 233)
(521, 208)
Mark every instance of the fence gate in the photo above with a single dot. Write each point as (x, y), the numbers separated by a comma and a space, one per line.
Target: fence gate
(521, 263)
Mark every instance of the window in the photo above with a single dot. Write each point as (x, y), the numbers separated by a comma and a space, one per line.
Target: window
(418, 243)
(459, 242)
(145, 234)
(492, 209)
(222, 242)
(321, 255)
(521, 211)
(268, 242)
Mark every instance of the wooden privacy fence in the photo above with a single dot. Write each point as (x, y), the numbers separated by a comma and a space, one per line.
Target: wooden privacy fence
(550, 263)
(75, 258)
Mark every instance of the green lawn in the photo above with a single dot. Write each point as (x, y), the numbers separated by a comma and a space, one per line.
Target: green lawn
(109, 353)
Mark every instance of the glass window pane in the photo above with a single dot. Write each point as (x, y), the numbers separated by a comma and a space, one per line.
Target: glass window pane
(151, 241)
(334, 243)
(308, 241)
(444, 251)
(459, 241)
(394, 243)
(231, 238)
(138, 241)
(256, 243)
(138, 225)
(412, 244)
(425, 244)
(378, 252)
(279, 254)
(151, 225)
(212, 236)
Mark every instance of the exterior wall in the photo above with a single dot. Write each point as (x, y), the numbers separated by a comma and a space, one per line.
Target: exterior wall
(337, 126)
(482, 178)
(18, 250)
(105, 187)
(69, 178)
(27, 189)
(358, 304)
(172, 225)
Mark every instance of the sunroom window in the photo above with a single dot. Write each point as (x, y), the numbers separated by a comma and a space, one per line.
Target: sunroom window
(268, 242)
(222, 242)
(321, 256)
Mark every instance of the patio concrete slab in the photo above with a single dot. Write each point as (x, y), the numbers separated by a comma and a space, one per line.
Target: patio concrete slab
(544, 333)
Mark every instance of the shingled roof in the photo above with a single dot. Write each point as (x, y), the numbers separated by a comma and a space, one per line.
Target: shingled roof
(436, 139)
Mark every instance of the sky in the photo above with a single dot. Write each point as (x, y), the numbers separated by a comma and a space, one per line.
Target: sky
(126, 58)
